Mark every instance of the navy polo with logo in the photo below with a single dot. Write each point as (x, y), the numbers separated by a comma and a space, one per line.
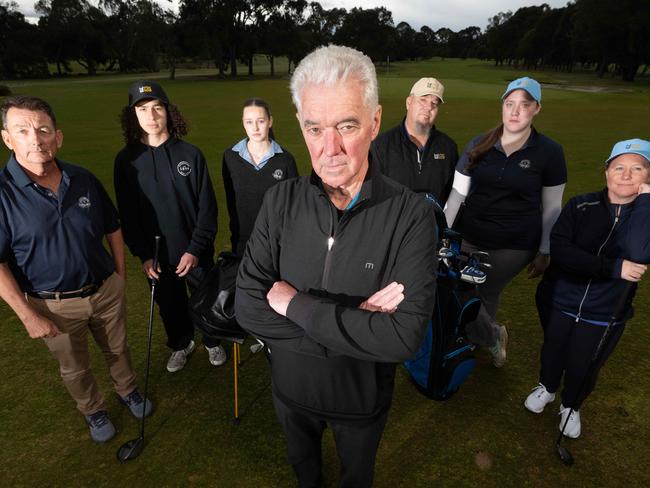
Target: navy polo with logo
(54, 242)
(503, 209)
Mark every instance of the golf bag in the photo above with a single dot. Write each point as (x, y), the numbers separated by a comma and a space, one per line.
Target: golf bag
(212, 305)
(445, 359)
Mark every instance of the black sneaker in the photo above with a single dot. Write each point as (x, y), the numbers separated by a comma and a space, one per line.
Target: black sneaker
(101, 427)
(136, 404)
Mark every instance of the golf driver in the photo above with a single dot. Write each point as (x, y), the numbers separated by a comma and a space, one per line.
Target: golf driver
(563, 453)
(132, 449)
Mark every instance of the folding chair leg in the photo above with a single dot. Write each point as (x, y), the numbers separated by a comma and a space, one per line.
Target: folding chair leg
(236, 359)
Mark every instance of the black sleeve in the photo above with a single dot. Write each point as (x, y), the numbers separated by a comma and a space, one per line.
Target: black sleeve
(637, 246)
(572, 258)
(127, 195)
(206, 220)
(292, 169)
(375, 336)
(257, 273)
(109, 212)
(230, 202)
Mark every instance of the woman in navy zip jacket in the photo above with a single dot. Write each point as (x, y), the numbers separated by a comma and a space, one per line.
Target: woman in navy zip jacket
(600, 241)
(251, 167)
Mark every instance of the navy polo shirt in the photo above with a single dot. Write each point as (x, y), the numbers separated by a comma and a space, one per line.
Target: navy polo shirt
(503, 209)
(54, 242)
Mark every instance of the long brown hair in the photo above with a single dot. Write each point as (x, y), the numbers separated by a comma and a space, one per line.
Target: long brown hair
(489, 139)
(258, 102)
(132, 132)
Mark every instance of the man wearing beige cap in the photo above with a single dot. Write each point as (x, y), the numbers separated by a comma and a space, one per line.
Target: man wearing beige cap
(414, 152)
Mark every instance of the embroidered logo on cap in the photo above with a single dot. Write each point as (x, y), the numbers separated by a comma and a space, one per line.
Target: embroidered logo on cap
(184, 168)
(145, 89)
(84, 202)
(278, 174)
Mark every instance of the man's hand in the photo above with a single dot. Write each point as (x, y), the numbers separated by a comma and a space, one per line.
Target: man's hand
(632, 271)
(147, 269)
(385, 300)
(279, 296)
(644, 188)
(38, 327)
(538, 265)
(186, 264)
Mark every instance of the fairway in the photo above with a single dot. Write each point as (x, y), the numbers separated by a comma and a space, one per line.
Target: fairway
(483, 436)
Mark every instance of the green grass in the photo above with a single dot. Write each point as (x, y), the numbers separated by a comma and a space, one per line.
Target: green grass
(191, 441)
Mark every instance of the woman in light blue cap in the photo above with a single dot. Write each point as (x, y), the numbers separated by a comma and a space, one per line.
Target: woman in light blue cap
(599, 244)
(511, 181)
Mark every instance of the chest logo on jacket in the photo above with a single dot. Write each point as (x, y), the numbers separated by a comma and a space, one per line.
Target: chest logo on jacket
(525, 164)
(438, 155)
(84, 202)
(278, 174)
(184, 168)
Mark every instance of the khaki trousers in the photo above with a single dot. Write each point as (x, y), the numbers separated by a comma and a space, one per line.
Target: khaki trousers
(104, 315)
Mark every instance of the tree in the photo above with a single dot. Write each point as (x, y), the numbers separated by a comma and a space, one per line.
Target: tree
(21, 53)
(370, 31)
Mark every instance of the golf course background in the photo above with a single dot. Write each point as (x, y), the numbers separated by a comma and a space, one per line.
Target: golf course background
(482, 436)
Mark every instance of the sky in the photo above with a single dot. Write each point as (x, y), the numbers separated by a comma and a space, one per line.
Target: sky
(454, 14)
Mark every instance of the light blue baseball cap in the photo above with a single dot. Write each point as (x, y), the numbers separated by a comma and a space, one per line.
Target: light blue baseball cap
(528, 84)
(631, 146)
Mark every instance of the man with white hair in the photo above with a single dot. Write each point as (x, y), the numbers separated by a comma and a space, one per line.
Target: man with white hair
(338, 278)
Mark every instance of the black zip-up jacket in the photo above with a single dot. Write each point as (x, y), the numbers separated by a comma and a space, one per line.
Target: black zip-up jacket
(166, 191)
(430, 170)
(328, 357)
(588, 244)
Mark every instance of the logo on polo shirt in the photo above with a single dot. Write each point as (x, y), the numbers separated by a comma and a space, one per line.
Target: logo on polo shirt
(184, 168)
(438, 155)
(524, 163)
(278, 174)
(84, 202)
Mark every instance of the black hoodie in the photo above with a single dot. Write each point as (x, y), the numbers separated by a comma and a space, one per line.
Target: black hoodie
(166, 191)
(329, 357)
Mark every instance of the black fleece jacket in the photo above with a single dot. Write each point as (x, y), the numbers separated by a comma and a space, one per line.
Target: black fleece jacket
(588, 245)
(430, 170)
(329, 357)
(166, 191)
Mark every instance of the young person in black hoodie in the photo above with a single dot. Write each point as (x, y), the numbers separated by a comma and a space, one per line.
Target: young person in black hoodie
(338, 277)
(251, 167)
(163, 188)
(600, 241)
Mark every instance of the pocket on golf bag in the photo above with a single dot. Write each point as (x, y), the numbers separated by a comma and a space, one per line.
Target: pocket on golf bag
(212, 305)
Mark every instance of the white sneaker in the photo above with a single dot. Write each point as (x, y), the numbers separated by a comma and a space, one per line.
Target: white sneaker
(498, 351)
(178, 358)
(216, 355)
(538, 399)
(572, 428)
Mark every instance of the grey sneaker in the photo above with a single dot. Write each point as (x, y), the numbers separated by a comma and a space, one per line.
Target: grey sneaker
(137, 405)
(101, 427)
(498, 351)
(216, 355)
(178, 358)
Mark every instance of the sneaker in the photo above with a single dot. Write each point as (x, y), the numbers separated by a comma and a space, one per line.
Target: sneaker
(572, 428)
(137, 405)
(178, 358)
(498, 351)
(538, 399)
(216, 355)
(101, 427)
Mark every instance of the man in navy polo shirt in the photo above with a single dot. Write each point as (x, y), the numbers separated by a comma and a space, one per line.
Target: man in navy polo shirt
(415, 153)
(54, 271)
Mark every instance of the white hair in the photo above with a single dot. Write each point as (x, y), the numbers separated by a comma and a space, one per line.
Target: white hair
(330, 65)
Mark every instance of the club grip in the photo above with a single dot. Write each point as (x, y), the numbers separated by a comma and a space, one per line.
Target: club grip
(156, 250)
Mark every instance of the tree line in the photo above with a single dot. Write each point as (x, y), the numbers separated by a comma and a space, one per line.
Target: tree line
(139, 35)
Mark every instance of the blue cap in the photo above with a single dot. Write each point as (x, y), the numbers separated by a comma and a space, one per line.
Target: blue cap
(631, 146)
(531, 86)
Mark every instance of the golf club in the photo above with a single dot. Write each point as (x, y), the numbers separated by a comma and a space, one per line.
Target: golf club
(563, 453)
(132, 449)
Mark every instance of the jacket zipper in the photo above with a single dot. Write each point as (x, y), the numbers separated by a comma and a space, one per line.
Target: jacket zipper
(584, 297)
(417, 151)
(331, 240)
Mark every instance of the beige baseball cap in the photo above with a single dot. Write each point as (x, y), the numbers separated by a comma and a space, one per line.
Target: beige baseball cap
(428, 86)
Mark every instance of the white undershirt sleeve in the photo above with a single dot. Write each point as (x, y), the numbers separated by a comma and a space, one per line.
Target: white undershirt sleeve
(459, 192)
(551, 208)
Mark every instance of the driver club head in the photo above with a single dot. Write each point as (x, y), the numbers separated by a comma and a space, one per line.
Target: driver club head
(130, 449)
(564, 455)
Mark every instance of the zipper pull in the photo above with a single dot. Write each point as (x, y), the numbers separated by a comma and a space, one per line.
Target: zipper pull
(577, 318)
(330, 243)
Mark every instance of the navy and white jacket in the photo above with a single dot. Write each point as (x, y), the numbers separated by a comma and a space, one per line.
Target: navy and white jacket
(588, 244)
